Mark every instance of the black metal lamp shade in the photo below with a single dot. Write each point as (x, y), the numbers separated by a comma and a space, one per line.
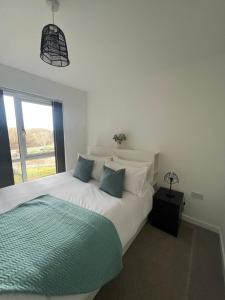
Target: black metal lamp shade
(53, 46)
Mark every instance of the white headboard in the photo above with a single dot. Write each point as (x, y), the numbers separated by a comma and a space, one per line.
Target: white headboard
(137, 155)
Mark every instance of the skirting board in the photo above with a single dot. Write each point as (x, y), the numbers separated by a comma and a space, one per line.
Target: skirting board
(213, 228)
(222, 245)
(201, 223)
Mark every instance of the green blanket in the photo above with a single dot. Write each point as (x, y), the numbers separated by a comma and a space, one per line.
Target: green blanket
(51, 247)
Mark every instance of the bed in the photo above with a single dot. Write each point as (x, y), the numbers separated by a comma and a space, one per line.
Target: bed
(88, 195)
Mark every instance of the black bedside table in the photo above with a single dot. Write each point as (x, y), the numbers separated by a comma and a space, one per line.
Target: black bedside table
(167, 211)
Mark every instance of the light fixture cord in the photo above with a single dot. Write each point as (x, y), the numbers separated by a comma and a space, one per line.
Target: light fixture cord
(53, 16)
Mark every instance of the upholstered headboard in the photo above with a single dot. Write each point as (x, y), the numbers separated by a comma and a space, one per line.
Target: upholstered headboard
(135, 155)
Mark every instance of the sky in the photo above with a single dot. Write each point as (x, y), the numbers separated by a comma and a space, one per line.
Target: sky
(34, 115)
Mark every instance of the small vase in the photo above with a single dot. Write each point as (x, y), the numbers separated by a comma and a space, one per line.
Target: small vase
(118, 146)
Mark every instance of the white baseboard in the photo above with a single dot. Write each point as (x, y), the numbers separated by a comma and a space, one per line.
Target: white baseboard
(213, 228)
(200, 223)
(222, 245)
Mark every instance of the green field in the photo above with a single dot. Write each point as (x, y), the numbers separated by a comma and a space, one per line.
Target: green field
(35, 173)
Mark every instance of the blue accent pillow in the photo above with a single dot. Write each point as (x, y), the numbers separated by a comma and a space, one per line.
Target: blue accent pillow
(83, 169)
(112, 182)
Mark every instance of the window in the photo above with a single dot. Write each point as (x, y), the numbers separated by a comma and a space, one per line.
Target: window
(31, 136)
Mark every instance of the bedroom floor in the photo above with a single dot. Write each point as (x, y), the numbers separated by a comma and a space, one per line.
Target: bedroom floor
(160, 267)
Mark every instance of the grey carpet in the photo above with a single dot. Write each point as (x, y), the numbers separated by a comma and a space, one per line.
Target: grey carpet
(160, 267)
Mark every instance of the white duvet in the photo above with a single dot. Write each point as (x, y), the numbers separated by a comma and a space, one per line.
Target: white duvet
(127, 213)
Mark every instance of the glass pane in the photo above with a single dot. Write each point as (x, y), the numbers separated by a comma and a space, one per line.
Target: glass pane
(37, 168)
(38, 124)
(17, 171)
(12, 129)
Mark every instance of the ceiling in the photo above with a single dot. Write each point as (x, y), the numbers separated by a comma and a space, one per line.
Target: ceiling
(110, 39)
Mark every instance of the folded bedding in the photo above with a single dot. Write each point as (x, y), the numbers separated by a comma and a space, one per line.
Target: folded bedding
(52, 247)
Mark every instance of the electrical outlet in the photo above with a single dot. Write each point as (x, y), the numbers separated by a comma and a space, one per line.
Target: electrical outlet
(197, 196)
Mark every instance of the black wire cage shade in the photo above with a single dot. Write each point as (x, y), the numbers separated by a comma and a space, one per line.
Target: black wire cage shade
(53, 46)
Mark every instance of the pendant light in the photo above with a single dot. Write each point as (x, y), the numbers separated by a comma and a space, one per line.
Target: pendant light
(53, 42)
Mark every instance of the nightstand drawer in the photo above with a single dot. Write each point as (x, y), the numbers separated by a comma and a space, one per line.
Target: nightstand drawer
(166, 209)
(165, 223)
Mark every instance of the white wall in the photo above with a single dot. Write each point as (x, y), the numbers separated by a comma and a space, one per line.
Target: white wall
(74, 105)
(181, 112)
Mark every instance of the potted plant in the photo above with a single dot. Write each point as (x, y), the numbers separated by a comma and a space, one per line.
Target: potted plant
(119, 138)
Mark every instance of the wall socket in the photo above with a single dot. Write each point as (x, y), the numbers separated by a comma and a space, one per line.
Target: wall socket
(197, 196)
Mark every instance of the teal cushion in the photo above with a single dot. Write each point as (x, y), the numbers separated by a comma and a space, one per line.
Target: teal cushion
(83, 169)
(112, 182)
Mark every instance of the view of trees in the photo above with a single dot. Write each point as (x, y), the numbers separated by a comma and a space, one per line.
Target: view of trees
(35, 137)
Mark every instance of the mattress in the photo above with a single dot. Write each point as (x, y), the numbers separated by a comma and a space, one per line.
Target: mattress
(127, 214)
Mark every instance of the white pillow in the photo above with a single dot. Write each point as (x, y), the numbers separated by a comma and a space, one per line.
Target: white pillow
(99, 162)
(137, 164)
(135, 178)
